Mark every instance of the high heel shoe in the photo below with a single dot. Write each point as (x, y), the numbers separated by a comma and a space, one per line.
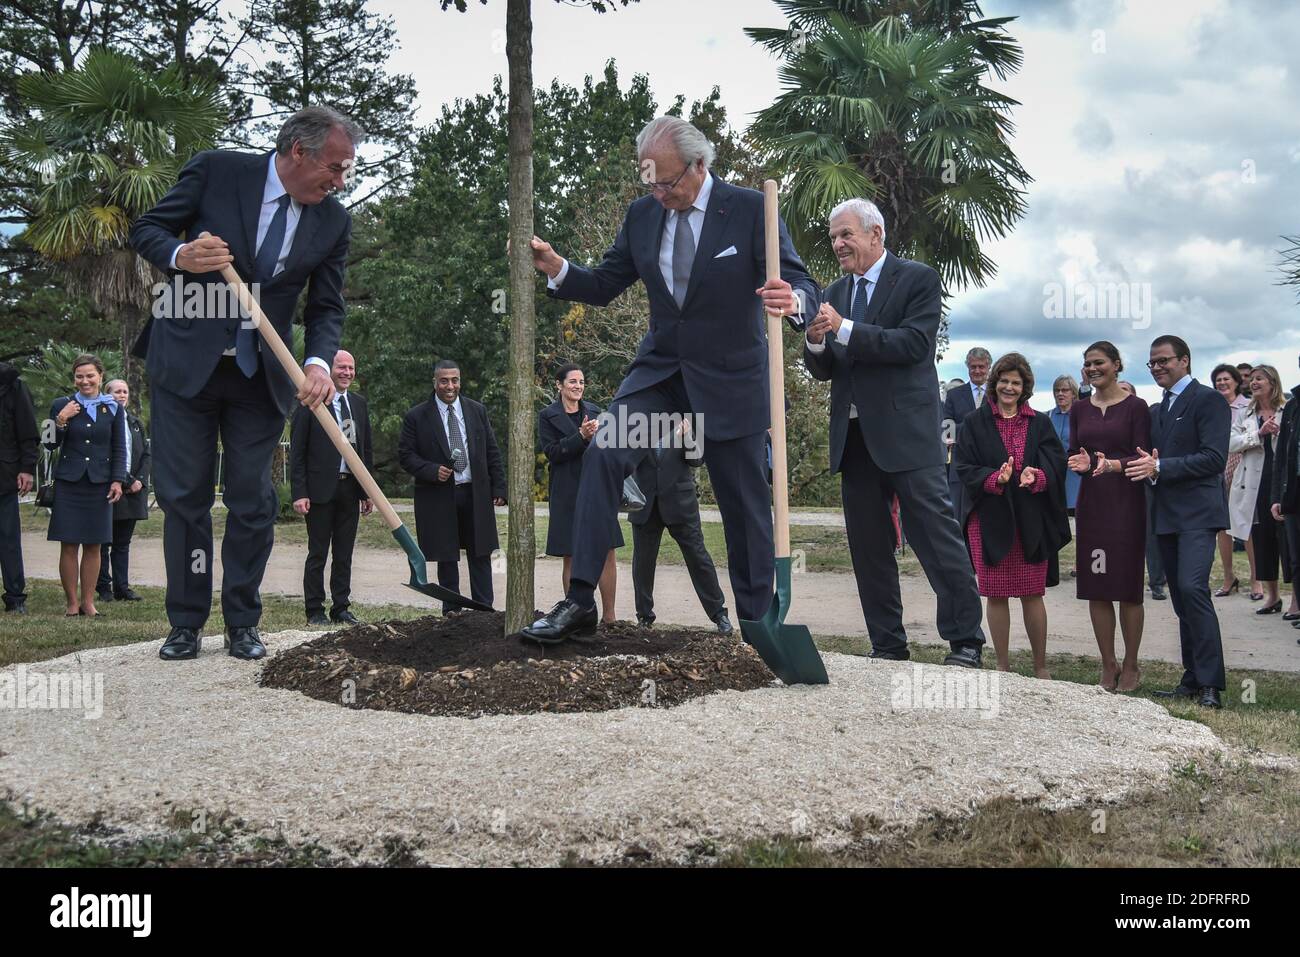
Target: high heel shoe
(1291, 616)
(1272, 609)
(1227, 590)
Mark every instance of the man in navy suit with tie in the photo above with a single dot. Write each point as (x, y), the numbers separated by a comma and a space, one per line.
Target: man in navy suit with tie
(1189, 448)
(273, 216)
(874, 339)
(696, 242)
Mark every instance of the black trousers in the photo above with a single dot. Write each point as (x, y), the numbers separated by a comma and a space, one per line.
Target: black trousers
(115, 557)
(932, 533)
(1266, 534)
(1155, 564)
(737, 470)
(1188, 557)
(331, 525)
(645, 555)
(480, 566)
(1290, 533)
(241, 412)
(11, 550)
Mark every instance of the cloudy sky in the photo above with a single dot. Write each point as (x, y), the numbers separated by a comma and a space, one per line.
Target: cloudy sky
(1163, 139)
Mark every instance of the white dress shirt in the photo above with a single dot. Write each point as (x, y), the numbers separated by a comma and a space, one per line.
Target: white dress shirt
(444, 410)
(842, 335)
(271, 193)
(1177, 390)
(694, 216)
(977, 392)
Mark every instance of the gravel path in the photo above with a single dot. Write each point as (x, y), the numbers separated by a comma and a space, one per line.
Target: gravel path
(818, 762)
(827, 602)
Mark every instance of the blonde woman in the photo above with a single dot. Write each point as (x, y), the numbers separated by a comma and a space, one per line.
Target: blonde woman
(1254, 435)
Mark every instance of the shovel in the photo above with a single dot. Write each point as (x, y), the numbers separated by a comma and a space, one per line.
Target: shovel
(419, 573)
(786, 649)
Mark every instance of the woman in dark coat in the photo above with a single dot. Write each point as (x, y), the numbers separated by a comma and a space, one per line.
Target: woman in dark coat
(1012, 467)
(1106, 431)
(564, 429)
(90, 428)
(114, 559)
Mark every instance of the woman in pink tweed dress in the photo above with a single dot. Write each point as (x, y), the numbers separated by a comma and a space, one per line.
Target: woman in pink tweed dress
(1013, 468)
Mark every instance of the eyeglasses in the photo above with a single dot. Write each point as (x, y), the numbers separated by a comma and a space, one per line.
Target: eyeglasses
(650, 187)
(1159, 362)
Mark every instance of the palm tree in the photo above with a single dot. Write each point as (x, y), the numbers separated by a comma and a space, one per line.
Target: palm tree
(106, 141)
(885, 99)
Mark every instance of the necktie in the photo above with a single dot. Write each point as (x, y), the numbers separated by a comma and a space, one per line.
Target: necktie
(457, 440)
(344, 414)
(683, 256)
(858, 312)
(979, 395)
(268, 254)
(1169, 400)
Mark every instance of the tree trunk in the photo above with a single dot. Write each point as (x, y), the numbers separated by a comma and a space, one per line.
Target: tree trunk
(521, 545)
(132, 320)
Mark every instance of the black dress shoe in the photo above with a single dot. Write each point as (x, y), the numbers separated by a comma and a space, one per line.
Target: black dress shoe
(1209, 698)
(1272, 609)
(1182, 691)
(566, 620)
(182, 643)
(344, 617)
(1158, 593)
(105, 596)
(894, 655)
(724, 623)
(644, 622)
(318, 620)
(245, 643)
(127, 595)
(18, 608)
(967, 656)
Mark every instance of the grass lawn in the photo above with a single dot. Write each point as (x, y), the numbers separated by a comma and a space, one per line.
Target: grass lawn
(44, 633)
(1220, 815)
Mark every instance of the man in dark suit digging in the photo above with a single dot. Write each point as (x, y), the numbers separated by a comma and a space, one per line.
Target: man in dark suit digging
(273, 216)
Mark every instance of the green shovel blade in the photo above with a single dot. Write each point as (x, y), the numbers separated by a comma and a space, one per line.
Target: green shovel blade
(788, 650)
(420, 574)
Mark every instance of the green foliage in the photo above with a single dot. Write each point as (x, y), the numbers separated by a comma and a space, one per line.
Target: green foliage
(885, 99)
(429, 274)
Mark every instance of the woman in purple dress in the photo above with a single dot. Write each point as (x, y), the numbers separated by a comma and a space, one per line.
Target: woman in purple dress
(1107, 430)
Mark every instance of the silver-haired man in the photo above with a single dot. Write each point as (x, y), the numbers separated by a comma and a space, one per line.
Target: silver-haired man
(874, 339)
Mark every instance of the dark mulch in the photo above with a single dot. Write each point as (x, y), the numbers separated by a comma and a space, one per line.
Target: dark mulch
(465, 665)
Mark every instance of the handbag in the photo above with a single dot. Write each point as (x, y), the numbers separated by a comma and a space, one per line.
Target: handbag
(633, 497)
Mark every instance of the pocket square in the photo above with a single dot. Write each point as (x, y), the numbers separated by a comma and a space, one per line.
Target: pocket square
(729, 251)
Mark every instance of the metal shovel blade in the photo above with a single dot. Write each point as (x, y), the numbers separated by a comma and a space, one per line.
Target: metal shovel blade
(420, 575)
(788, 650)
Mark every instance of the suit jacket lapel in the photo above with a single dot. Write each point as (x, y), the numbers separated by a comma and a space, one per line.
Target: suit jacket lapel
(439, 433)
(655, 240)
(888, 278)
(252, 184)
(711, 233)
(306, 223)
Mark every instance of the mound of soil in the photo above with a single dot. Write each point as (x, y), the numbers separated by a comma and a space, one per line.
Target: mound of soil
(465, 665)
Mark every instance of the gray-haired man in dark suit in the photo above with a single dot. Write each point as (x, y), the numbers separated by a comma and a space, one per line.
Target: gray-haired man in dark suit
(874, 339)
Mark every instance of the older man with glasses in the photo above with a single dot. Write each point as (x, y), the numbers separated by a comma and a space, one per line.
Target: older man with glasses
(696, 242)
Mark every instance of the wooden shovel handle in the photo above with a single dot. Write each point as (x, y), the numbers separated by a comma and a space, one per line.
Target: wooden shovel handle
(324, 414)
(776, 377)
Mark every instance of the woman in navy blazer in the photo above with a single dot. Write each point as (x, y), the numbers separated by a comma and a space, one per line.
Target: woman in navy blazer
(90, 428)
(564, 429)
